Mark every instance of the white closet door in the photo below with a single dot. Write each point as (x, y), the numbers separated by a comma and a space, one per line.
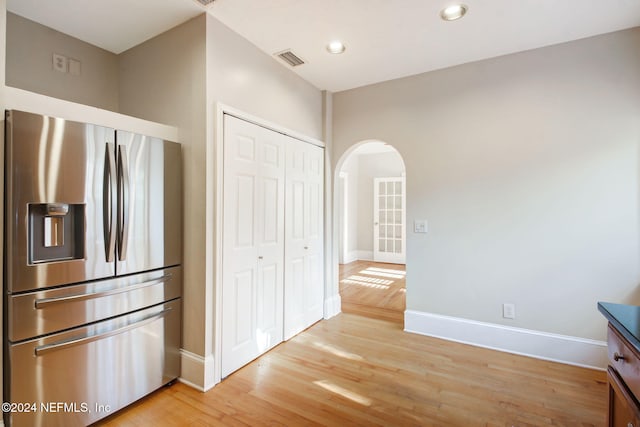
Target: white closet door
(253, 242)
(304, 272)
(389, 229)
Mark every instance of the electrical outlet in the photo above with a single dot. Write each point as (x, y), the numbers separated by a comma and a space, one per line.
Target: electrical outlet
(60, 63)
(509, 311)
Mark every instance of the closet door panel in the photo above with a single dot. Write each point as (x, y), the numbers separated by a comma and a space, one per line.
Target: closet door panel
(304, 261)
(270, 215)
(273, 248)
(294, 295)
(244, 236)
(269, 292)
(253, 242)
(243, 290)
(314, 301)
(295, 239)
(314, 296)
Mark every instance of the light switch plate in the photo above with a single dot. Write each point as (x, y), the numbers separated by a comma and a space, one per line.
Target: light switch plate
(74, 67)
(60, 63)
(420, 226)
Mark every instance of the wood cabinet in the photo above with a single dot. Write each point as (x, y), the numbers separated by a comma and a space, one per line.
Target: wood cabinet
(624, 381)
(623, 407)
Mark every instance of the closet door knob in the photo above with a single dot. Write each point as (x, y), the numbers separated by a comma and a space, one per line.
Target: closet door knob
(260, 257)
(617, 356)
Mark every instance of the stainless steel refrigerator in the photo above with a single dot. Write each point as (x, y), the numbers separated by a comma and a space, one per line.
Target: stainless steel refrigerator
(92, 269)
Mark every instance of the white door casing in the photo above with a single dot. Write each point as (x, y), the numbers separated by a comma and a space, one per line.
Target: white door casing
(253, 242)
(304, 237)
(343, 219)
(389, 228)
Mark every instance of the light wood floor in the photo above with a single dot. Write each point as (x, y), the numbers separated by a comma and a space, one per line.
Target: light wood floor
(353, 370)
(373, 289)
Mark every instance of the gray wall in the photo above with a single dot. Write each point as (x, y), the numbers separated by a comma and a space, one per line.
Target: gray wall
(163, 80)
(29, 65)
(527, 168)
(244, 77)
(177, 78)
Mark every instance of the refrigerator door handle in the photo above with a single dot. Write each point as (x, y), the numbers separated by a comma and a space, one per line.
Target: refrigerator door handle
(43, 302)
(43, 349)
(108, 213)
(123, 202)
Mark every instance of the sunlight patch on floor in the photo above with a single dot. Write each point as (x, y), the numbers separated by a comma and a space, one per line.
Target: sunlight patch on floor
(364, 283)
(337, 352)
(388, 270)
(382, 272)
(334, 388)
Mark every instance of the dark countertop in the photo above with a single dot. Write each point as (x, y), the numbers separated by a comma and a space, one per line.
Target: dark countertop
(625, 318)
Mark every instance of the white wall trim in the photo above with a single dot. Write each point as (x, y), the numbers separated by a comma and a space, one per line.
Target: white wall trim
(351, 256)
(24, 100)
(365, 255)
(196, 369)
(215, 174)
(541, 345)
(190, 384)
(226, 109)
(332, 306)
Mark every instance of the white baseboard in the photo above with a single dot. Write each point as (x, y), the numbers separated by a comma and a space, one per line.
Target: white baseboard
(350, 257)
(541, 345)
(197, 371)
(358, 256)
(332, 306)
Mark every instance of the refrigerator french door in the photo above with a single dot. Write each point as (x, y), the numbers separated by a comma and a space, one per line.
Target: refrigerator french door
(93, 279)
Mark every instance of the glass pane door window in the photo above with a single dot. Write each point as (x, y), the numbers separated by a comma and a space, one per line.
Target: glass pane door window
(389, 220)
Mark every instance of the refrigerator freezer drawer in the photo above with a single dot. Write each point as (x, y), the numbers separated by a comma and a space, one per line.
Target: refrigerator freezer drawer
(79, 376)
(43, 312)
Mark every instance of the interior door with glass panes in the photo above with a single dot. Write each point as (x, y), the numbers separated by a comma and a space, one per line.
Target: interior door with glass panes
(389, 229)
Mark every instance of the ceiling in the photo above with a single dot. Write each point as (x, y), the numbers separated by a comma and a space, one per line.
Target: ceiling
(385, 39)
(113, 25)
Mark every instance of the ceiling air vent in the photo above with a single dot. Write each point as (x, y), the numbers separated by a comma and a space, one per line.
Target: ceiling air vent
(205, 2)
(290, 58)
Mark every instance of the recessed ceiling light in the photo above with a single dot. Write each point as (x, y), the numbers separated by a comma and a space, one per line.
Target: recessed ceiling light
(336, 46)
(453, 12)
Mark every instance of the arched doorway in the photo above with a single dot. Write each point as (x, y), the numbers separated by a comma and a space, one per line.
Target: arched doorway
(371, 222)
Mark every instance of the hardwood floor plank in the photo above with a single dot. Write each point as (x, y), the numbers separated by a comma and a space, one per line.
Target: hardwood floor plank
(363, 370)
(373, 289)
(352, 370)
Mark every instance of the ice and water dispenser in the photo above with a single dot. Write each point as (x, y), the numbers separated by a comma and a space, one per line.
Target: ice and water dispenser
(56, 232)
